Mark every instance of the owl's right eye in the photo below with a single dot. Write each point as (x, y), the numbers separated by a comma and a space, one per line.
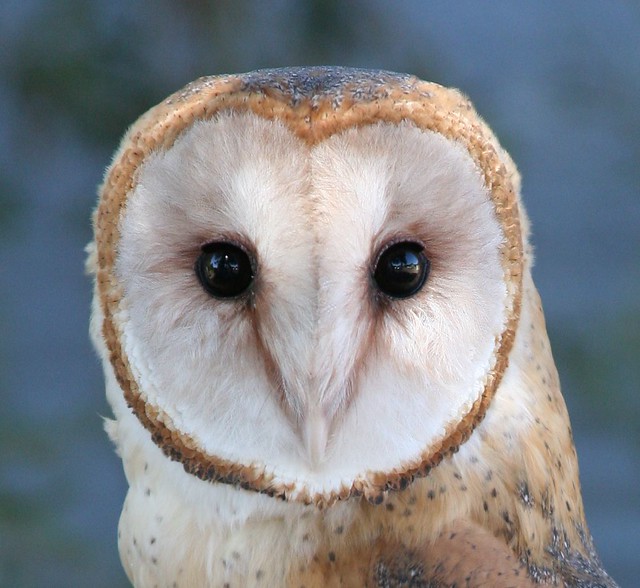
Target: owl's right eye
(224, 270)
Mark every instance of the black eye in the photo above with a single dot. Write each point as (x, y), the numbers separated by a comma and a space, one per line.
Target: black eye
(402, 269)
(224, 270)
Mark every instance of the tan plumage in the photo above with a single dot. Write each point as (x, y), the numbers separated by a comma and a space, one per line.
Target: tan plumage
(332, 434)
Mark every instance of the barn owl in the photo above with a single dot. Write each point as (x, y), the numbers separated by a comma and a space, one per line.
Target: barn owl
(325, 354)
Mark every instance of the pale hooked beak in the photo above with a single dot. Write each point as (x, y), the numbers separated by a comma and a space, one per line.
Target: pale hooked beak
(315, 436)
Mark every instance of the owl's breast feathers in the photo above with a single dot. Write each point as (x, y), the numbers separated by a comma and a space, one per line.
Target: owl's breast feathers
(462, 555)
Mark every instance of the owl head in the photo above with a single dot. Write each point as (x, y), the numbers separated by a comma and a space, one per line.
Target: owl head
(308, 281)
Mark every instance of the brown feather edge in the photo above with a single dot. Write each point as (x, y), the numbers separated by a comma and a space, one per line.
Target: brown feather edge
(430, 107)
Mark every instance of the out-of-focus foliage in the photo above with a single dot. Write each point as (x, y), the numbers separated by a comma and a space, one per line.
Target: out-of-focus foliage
(86, 68)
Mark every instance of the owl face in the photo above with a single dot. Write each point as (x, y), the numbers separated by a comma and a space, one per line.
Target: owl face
(311, 317)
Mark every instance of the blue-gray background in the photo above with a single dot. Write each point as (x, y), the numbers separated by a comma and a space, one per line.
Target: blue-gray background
(558, 82)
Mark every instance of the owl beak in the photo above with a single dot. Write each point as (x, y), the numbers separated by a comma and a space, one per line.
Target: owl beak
(315, 435)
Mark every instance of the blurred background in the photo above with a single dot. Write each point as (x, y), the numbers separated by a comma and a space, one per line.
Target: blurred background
(558, 82)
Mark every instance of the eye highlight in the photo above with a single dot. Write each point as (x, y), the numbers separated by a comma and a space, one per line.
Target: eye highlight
(401, 269)
(224, 270)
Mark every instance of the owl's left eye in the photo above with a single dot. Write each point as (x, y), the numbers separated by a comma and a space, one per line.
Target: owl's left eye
(401, 269)
(224, 270)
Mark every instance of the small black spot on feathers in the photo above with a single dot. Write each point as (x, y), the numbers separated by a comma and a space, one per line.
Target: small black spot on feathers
(332, 556)
(431, 494)
(525, 495)
(494, 492)
(389, 506)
